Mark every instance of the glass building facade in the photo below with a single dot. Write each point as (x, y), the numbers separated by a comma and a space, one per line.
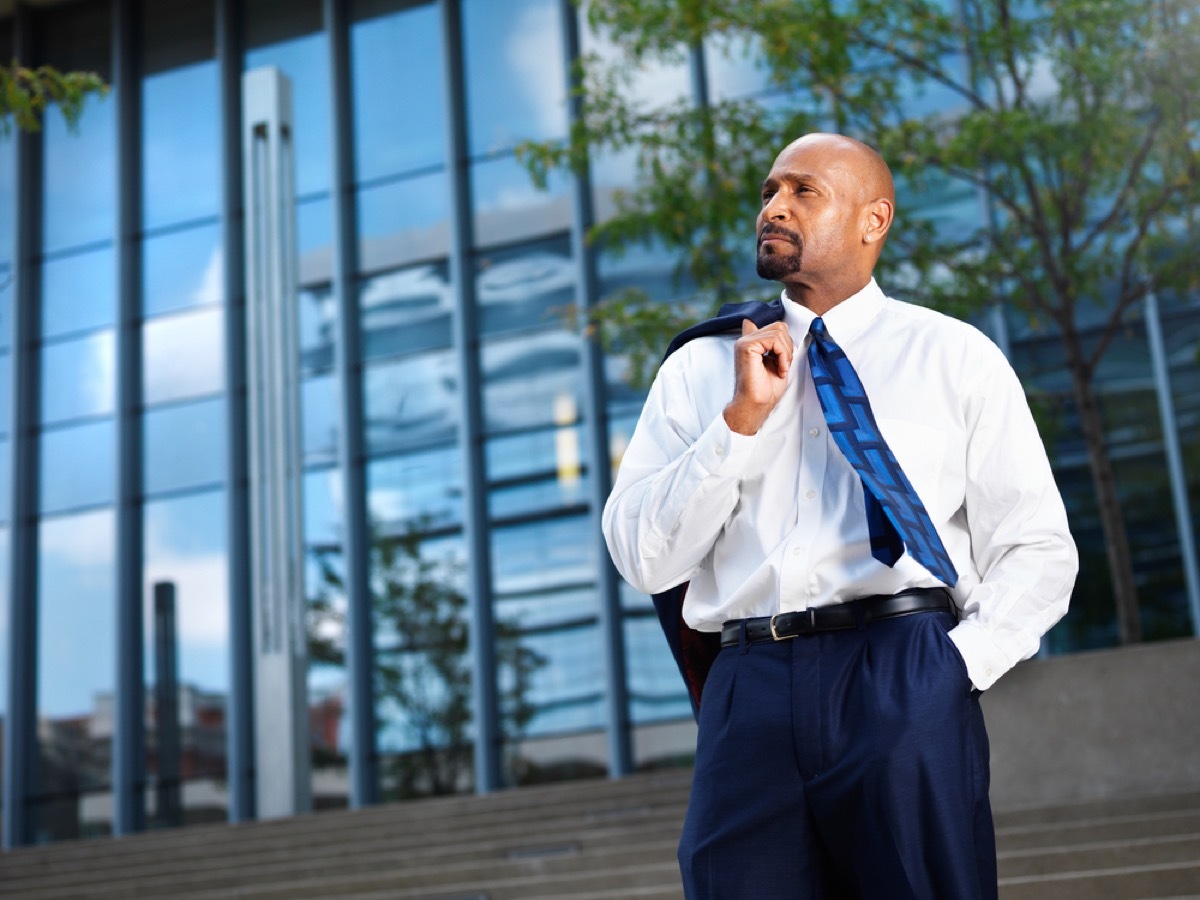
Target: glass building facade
(466, 630)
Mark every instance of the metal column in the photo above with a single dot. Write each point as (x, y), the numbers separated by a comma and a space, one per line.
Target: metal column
(1170, 427)
(608, 587)
(129, 740)
(20, 731)
(240, 715)
(356, 533)
(282, 765)
(488, 775)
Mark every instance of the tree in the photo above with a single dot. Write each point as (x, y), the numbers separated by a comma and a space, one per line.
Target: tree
(26, 92)
(1075, 119)
(422, 667)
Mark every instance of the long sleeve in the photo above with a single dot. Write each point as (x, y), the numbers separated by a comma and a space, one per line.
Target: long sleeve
(677, 485)
(1020, 543)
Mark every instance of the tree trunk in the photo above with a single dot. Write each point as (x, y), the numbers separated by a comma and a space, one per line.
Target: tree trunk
(1104, 482)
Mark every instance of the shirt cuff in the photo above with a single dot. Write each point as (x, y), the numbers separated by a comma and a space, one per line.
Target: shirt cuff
(985, 661)
(723, 452)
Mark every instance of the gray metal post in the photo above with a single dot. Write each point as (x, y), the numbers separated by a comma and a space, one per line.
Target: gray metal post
(283, 773)
(608, 587)
(488, 775)
(168, 787)
(356, 533)
(129, 740)
(20, 725)
(240, 712)
(1170, 428)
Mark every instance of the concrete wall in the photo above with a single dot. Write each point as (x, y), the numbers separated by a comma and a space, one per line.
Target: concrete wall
(1107, 723)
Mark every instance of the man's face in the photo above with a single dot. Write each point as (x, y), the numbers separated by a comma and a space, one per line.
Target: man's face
(810, 212)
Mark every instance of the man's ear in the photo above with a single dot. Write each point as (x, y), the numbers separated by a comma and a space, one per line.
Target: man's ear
(879, 220)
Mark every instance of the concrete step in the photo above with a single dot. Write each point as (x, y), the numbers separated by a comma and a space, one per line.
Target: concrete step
(581, 840)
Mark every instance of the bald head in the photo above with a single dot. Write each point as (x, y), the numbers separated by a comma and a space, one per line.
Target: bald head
(862, 161)
(827, 206)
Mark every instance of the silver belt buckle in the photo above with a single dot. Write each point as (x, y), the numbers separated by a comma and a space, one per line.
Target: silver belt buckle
(775, 635)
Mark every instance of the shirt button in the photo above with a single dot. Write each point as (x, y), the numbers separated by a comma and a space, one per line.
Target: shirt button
(814, 431)
(720, 451)
(796, 551)
(810, 494)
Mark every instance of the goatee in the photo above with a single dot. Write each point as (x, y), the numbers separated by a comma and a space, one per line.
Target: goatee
(775, 266)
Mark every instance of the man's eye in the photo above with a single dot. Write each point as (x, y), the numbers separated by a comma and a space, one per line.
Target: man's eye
(766, 197)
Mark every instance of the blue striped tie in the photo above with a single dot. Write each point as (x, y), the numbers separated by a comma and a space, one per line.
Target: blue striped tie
(896, 516)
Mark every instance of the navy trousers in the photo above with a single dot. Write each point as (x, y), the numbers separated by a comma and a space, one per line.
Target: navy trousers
(846, 765)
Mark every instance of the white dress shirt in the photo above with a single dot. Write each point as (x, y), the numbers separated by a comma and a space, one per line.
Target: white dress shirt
(774, 522)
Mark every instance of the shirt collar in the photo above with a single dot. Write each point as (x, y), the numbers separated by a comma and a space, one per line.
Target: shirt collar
(845, 321)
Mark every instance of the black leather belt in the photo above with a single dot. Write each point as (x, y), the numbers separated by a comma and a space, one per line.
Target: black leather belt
(839, 617)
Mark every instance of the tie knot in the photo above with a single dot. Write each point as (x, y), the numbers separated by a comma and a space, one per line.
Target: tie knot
(817, 328)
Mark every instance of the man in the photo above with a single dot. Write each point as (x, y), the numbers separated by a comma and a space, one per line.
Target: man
(861, 609)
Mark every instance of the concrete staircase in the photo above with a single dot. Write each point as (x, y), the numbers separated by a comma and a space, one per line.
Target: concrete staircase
(582, 840)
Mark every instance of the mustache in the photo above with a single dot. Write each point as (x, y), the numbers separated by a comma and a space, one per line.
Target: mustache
(778, 231)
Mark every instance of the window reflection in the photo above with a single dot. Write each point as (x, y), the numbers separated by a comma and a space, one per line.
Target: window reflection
(516, 88)
(314, 238)
(403, 221)
(406, 311)
(411, 402)
(509, 208)
(8, 199)
(538, 555)
(524, 288)
(416, 490)
(529, 380)
(183, 355)
(181, 164)
(79, 292)
(318, 327)
(536, 471)
(319, 408)
(396, 79)
(185, 548)
(75, 667)
(5, 493)
(79, 189)
(182, 270)
(78, 378)
(78, 466)
(185, 446)
(6, 277)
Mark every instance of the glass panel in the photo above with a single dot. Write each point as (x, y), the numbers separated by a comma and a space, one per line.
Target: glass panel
(396, 80)
(75, 666)
(8, 197)
(78, 466)
(407, 311)
(516, 88)
(327, 691)
(532, 380)
(5, 394)
(183, 269)
(181, 164)
(185, 446)
(6, 307)
(184, 355)
(525, 288)
(79, 292)
(5, 488)
(417, 491)
(422, 673)
(186, 658)
(508, 208)
(314, 238)
(543, 555)
(411, 402)
(78, 378)
(402, 221)
(318, 328)
(79, 190)
(320, 407)
(536, 471)
(304, 60)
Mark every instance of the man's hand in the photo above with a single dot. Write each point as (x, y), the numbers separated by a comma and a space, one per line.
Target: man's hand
(762, 358)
